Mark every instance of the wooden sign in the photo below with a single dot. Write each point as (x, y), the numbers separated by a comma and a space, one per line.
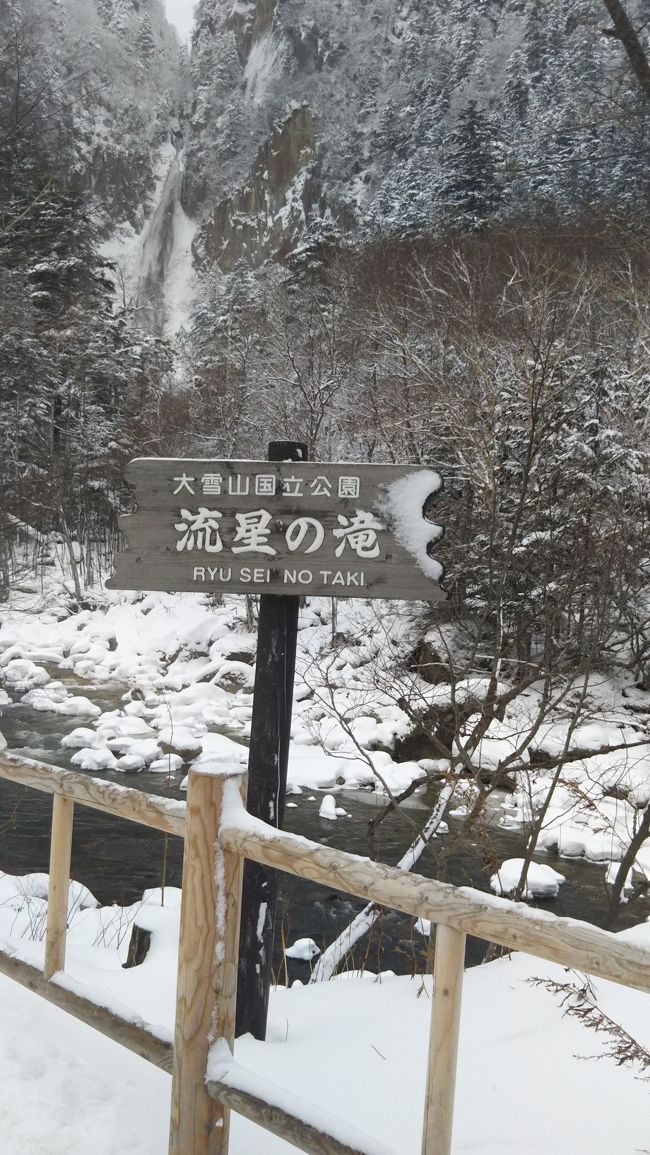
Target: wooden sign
(289, 528)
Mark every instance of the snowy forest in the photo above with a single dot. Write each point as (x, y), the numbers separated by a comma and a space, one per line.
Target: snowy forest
(361, 226)
(396, 231)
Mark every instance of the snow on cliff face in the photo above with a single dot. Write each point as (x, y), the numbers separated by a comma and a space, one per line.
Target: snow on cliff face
(126, 147)
(362, 116)
(127, 101)
(427, 113)
(359, 116)
(153, 267)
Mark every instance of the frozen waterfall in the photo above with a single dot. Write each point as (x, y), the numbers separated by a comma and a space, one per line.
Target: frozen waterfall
(165, 274)
(155, 273)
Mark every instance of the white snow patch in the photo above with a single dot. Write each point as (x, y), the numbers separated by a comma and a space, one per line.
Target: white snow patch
(261, 916)
(404, 504)
(541, 881)
(328, 808)
(303, 948)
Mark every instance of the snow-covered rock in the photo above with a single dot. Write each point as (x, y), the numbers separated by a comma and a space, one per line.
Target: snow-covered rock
(169, 764)
(116, 724)
(130, 764)
(303, 949)
(541, 880)
(81, 737)
(23, 674)
(328, 808)
(94, 758)
(78, 704)
(181, 740)
(572, 841)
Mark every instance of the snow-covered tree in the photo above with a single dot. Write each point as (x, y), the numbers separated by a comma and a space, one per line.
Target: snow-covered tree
(73, 370)
(470, 190)
(145, 42)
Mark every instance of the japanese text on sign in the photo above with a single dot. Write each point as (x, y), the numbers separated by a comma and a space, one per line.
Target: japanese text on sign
(282, 526)
(201, 531)
(264, 485)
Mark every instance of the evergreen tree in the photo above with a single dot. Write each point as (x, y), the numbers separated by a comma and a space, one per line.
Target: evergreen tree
(516, 88)
(68, 368)
(145, 42)
(470, 192)
(105, 11)
(122, 13)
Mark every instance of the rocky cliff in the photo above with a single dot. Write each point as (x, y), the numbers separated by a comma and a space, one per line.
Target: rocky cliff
(376, 116)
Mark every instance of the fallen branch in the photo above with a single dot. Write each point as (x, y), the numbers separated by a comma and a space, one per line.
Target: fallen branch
(333, 956)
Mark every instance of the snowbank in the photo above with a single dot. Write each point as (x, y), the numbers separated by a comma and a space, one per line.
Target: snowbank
(355, 1047)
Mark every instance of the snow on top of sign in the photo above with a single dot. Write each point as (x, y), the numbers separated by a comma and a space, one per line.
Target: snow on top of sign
(404, 504)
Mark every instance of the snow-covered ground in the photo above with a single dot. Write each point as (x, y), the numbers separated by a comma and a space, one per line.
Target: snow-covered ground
(183, 669)
(355, 1046)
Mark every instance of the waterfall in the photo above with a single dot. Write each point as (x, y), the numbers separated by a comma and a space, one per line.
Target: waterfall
(163, 274)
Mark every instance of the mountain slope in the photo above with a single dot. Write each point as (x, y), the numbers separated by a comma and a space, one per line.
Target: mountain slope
(388, 115)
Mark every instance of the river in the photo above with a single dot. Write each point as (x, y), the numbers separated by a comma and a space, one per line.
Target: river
(117, 860)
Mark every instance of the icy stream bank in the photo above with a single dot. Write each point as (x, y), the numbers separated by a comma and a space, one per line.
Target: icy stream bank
(119, 860)
(144, 687)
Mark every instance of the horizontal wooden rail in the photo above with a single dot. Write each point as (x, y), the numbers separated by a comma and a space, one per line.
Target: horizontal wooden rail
(134, 1036)
(562, 940)
(165, 814)
(286, 1114)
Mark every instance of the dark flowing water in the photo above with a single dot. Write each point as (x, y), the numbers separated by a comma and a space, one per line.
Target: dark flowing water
(117, 860)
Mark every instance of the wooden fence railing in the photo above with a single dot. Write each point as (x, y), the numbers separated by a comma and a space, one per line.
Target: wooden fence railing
(207, 1083)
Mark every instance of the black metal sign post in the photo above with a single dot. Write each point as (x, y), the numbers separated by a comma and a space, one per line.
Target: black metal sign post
(267, 782)
(283, 528)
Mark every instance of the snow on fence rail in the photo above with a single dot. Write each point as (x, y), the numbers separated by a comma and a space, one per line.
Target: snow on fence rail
(219, 834)
(121, 801)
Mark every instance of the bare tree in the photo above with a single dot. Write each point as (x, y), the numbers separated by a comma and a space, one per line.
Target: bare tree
(543, 443)
(624, 30)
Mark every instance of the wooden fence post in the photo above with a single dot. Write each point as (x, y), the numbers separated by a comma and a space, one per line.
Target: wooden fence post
(59, 885)
(230, 875)
(443, 1041)
(207, 970)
